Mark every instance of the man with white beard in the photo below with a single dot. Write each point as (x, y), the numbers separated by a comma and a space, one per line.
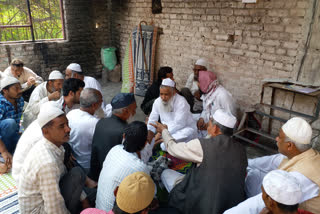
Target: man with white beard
(174, 111)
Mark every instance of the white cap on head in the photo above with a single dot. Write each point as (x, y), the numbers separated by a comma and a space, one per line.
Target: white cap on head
(203, 62)
(48, 111)
(75, 67)
(8, 80)
(225, 118)
(168, 82)
(56, 75)
(282, 187)
(298, 130)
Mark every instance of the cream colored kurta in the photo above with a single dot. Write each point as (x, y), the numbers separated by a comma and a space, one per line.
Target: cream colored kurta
(23, 79)
(38, 97)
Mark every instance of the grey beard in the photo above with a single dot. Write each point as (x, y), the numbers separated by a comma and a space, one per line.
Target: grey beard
(166, 106)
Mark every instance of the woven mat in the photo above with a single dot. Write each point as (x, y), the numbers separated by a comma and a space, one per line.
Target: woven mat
(8, 195)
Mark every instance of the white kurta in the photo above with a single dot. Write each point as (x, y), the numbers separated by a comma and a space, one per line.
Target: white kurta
(38, 97)
(27, 140)
(82, 126)
(257, 169)
(192, 84)
(180, 122)
(23, 79)
(220, 99)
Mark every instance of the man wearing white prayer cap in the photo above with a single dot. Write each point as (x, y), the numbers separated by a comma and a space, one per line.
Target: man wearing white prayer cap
(191, 90)
(11, 105)
(74, 71)
(281, 193)
(46, 91)
(174, 111)
(217, 183)
(296, 157)
(46, 186)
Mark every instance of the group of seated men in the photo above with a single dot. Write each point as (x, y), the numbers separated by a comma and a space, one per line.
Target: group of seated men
(70, 157)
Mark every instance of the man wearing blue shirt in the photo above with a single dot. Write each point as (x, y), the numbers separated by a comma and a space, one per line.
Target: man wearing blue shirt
(11, 105)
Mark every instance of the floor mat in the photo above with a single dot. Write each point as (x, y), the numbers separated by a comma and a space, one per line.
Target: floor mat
(8, 195)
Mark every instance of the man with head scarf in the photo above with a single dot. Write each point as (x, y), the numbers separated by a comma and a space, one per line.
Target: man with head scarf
(174, 111)
(11, 105)
(214, 97)
(74, 70)
(46, 186)
(296, 157)
(108, 131)
(281, 193)
(153, 91)
(82, 124)
(46, 91)
(191, 91)
(216, 181)
(27, 78)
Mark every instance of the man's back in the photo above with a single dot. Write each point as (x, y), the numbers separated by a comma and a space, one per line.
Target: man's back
(107, 134)
(218, 183)
(82, 126)
(117, 165)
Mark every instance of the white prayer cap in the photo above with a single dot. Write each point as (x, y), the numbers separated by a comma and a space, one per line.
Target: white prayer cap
(168, 82)
(225, 118)
(282, 187)
(8, 80)
(203, 62)
(48, 111)
(298, 130)
(75, 67)
(56, 75)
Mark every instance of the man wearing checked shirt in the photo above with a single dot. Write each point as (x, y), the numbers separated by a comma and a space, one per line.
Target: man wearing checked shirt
(11, 105)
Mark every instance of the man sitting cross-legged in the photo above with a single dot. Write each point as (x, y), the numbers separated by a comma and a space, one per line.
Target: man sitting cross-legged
(174, 111)
(217, 182)
(45, 186)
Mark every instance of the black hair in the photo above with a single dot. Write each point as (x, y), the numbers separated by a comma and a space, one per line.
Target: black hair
(288, 208)
(135, 136)
(225, 130)
(6, 88)
(117, 210)
(73, 85)
(163, 71)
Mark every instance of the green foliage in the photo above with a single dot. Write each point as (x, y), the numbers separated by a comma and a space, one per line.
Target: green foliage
(46, 20)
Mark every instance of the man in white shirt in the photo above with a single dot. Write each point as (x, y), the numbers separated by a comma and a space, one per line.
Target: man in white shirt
(27, 78)
(191, 91)
(121, 161)
(46, 91)
(74, 71)
(45, 186)
(71, 94)
(174, 111)
(82, 124)
(297, 157)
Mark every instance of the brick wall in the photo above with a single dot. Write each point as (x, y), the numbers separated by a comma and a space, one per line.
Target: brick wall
(82, 44)
(268, 37)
